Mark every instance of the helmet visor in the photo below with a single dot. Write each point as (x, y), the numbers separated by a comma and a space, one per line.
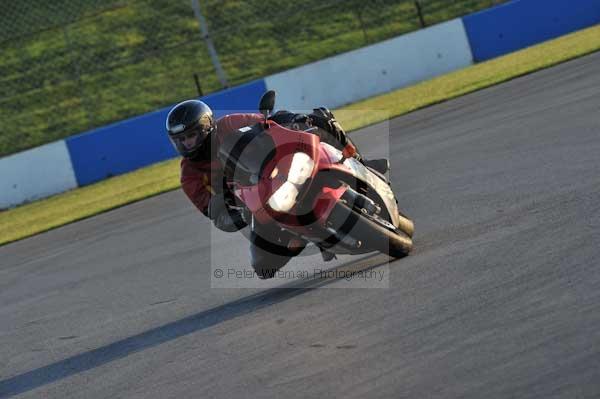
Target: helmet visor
(188, 141)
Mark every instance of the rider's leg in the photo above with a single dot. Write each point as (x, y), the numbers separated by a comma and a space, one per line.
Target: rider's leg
(324, 119)
(269, 253)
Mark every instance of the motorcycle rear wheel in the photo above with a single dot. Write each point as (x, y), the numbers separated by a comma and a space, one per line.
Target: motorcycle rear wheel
(371, 233)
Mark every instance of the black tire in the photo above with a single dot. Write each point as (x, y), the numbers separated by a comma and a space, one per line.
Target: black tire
(372, 235)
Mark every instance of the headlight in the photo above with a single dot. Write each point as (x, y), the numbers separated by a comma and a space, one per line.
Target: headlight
(284, 198)
(301, 168)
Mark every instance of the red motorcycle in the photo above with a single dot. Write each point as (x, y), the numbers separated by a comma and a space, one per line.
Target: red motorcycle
(291, 180)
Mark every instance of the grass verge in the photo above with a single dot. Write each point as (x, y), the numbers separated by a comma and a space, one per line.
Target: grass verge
(40, 216)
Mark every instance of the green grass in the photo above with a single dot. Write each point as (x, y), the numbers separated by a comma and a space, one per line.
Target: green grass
(71, 65)
(46, 214)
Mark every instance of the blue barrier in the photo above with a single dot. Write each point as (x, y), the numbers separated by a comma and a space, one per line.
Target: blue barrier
(141, 141)
(522, 23)
(243, 98)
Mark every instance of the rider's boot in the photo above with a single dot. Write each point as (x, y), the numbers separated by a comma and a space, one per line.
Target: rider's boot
(327, 256)
(381, 165)
(323, 118)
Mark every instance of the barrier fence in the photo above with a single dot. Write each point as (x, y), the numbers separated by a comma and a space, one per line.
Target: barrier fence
(69, 66)
(114, 149)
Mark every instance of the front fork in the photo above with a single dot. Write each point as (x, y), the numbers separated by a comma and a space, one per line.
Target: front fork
(339, 221)
(325, 202)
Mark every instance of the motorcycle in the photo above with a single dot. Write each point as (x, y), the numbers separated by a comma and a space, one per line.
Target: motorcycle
(288, 179)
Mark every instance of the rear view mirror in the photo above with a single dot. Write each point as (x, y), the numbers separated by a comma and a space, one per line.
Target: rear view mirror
(267, 103)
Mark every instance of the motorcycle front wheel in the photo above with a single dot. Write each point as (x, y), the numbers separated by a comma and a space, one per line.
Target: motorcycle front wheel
(373, 233)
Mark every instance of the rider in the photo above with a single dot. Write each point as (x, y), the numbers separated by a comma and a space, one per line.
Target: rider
(196, 134)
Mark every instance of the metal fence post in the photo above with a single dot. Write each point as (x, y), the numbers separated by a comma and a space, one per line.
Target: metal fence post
(362, 25)
(420, 13)
(198, 87)
(209, 43)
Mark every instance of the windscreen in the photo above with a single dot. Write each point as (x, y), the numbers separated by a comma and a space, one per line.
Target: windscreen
(244, 152)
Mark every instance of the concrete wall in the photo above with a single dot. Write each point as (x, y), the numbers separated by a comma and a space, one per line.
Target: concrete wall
(36, 173)
(375, 69)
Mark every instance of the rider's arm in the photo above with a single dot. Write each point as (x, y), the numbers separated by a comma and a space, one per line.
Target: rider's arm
(196, 179)
(196, 185)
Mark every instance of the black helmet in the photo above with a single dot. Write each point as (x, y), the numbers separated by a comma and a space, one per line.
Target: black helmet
(189, 125)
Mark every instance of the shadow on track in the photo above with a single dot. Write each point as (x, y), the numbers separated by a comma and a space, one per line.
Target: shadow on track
(117, 350)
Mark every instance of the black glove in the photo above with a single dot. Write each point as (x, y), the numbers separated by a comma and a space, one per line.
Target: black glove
(323, 112)
(283, 117)
(224, 218)
(324, 119)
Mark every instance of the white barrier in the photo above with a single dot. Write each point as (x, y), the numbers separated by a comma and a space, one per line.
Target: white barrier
(36, 173)
(375, 69)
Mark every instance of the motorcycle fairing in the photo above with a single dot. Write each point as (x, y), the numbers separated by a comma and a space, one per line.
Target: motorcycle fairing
(364, 174)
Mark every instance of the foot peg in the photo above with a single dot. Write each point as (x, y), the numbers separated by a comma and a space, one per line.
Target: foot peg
(380, 165)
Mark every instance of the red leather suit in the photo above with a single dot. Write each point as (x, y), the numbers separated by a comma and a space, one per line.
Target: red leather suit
(197, 176)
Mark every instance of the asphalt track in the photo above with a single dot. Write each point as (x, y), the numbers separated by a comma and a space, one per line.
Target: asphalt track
(501, 297)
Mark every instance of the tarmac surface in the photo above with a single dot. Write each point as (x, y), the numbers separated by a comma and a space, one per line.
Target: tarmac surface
(500, 298)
